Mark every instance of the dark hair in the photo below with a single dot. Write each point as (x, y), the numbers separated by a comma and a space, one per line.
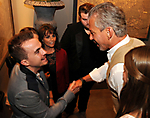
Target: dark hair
(136, 93)
(44, 31)
(15, 45)
(85, 8)
(33, 30)
(109, 15)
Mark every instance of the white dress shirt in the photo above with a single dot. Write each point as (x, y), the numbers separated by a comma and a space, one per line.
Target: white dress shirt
(115, 79)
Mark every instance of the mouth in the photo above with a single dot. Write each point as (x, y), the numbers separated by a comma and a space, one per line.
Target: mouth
(51, 43)
(44, 59)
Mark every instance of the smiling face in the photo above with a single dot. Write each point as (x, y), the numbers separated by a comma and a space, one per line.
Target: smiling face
(36, 55)
(49, 40)
(99, 36)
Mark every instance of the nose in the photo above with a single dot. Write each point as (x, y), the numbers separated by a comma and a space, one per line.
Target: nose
(43, 51)
(53, 39)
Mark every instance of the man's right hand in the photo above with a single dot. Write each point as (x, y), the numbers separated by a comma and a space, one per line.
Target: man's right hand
(73, 87)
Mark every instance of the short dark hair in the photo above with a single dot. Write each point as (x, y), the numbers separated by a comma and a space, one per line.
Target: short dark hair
(85, 8)
(15, 45)
(33, 30)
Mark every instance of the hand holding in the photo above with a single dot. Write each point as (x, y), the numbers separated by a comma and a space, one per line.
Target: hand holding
(78, 84)
(73, 87)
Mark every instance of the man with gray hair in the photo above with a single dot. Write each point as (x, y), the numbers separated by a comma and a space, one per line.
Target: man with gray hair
(83, 57)
(108, 28)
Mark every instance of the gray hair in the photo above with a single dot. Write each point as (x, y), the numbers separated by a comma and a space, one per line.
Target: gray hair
(109, 15)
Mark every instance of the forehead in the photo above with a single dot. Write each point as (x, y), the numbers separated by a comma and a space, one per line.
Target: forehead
(83, 15)
(31, 45)
(92, 23)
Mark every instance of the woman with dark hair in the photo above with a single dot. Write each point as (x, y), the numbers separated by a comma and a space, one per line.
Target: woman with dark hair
(57, 62)
(135, 95)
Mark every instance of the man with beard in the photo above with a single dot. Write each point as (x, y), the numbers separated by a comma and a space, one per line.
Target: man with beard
(83, 56)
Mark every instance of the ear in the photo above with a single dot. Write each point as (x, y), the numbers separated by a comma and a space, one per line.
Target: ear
(109, 31)
(24, 62)
(79, 18)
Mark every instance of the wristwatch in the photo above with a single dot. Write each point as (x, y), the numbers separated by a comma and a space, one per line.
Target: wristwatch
(83, 81)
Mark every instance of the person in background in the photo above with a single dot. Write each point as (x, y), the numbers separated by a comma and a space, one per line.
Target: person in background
(108, 28)
(28, 91)
(135, 95)
(57, 66)
(83, 56)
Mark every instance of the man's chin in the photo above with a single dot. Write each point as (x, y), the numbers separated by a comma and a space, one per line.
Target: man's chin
(102, 49)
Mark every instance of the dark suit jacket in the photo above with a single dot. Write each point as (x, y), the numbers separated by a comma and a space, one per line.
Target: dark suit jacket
(29, 96)
(77, 43)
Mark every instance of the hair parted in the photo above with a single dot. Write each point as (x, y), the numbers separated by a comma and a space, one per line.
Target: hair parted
(15, 45)
(136, 93)
(85, 8)
(108, 15)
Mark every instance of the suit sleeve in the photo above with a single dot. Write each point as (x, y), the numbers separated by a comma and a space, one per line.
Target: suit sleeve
(30, 103)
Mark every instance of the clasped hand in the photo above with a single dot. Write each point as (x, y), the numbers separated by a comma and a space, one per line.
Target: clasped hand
(75, 86)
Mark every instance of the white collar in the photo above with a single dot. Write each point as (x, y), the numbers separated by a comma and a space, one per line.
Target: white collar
(113, 49)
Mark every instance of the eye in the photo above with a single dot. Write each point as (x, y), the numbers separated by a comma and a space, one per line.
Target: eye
(37, 51)
(53, 35)
(47, 36)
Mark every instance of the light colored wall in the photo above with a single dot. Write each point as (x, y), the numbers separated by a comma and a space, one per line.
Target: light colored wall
(24, 15)
(64, 16)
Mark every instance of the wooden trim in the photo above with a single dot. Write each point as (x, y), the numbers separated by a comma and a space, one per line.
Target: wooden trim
(2, 61)
(75, 11)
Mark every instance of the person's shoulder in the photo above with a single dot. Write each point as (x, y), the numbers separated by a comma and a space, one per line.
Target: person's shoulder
(75, 25)
(137, 41)
(61, 51)
(16, 69)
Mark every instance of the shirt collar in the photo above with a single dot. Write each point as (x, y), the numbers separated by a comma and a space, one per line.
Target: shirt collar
(113, 49)
(29, 72)
(26, 70)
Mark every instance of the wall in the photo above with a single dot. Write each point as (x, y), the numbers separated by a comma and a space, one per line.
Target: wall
(6, 32)
(24, 15)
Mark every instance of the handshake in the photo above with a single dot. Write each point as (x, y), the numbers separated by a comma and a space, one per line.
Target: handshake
(76, 85)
